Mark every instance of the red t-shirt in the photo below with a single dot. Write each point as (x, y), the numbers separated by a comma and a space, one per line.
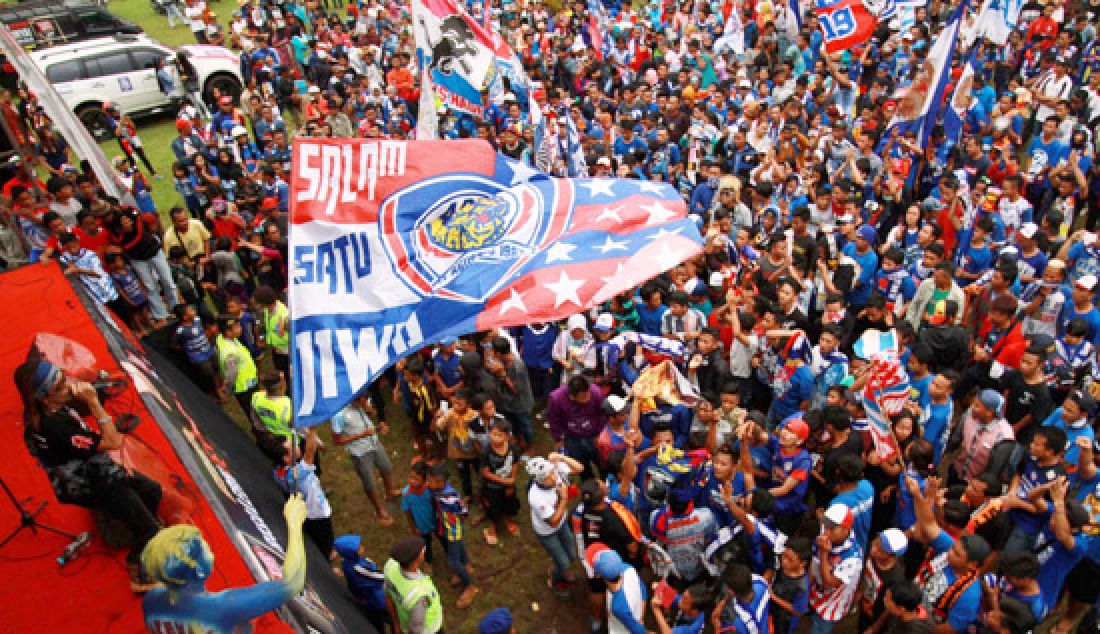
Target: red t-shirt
(96, 243)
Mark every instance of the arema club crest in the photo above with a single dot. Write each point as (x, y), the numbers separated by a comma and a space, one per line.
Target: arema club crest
(464, 237)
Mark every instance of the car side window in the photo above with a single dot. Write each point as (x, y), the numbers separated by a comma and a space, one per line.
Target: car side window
(97, 22)
(113, 64)
(146, 57)
(65, 71)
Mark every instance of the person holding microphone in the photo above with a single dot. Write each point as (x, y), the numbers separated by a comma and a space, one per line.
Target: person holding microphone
(75, 456)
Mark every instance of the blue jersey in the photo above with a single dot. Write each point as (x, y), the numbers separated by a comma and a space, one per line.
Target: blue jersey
(935, 419)
(859, 500)
(1032, 477)
(790, 464)
(192, 339)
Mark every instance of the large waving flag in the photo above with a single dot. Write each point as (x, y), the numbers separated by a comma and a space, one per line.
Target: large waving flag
(919, 108)
(847, 23)
(996, 20)
(395, 245)
(887, 388)
(458, 52)
(958, 104)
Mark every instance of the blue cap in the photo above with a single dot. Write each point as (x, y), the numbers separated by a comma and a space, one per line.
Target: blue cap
(347, 546)
(868, 233)
(609, 565)
(639, 129)
(992, 400)
(499, 621)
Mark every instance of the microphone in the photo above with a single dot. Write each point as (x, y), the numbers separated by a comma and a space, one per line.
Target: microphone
(104, 381)
(72, 551)
(103, 384)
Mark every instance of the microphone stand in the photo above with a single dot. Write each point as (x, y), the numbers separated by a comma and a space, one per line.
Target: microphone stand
(29, 519)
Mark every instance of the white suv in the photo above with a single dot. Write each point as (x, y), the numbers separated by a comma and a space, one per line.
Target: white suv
(122, 70)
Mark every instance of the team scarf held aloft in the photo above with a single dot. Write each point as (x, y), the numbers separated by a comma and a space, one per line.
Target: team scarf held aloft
(798, 351)
(889, 284)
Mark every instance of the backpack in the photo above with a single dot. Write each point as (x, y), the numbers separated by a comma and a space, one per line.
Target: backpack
(1005, 460)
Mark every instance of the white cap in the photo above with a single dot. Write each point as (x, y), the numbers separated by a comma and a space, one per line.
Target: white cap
(717, 280)
(744, 83)
(604, 322)
(1028, 230)
(539, 468)
(237, 131)
(1087, 282)
(577, 321)
(695, 286)
(837, 514)
(603, 160)
(1088, 238)
(893, 542)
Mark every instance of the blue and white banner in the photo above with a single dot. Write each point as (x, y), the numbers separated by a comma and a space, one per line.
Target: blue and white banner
(395, 245)
(920, 106)
(960, 101)
(996, 20)
(572, 150)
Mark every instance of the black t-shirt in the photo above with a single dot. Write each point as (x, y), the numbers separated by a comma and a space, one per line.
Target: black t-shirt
(61, 437)
(853, 445)
(500, 465)
(1024, 398)
(604, 526)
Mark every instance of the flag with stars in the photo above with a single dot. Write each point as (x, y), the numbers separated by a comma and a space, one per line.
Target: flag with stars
(396, 245)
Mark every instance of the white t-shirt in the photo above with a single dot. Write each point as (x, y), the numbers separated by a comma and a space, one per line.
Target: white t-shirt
(544, 501)
(193, 14)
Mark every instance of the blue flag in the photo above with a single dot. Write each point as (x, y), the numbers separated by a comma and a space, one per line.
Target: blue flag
(919, 108)
(395, 245)
(960, 101)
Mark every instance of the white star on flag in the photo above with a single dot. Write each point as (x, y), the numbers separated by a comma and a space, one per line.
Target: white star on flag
(521, 172)
(599, 186)
(658, 213)
(618, 271)
(668, 257)
(514, 301)
(610, 244)
(610, 213)
(560, 252)
(565, 290)
(651, 187)
(664, 233)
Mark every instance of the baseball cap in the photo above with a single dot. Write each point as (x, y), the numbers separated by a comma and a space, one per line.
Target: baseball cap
(839, 515)
(868, 233)
(845, 219)
(603, 160)
(608, 564)
(799, 428)
(1084, 400)
(577, 321)
(1028, 230)
(992, 400)
(717, 280)
(271, 202)
(499, 621)
(604, 322)
(614, 404)
(695, 286)
(744, 83)
(893, 542)
(538, 468)
(1086, 282)
(225, 100)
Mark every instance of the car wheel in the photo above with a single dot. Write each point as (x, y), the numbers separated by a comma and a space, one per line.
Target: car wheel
(225, 84)
(95, 120)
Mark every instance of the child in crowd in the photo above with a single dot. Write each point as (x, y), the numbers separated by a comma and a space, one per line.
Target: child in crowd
(450, 521)
(498, 463)
(132, 292)
(298, 474)
(416, 502)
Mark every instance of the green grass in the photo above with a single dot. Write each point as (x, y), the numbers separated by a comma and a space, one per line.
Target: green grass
(511, 574)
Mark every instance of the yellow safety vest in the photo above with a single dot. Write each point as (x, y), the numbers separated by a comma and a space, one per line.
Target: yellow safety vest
(406, 593)
(275, 320)
(274, 413)
(246, 367)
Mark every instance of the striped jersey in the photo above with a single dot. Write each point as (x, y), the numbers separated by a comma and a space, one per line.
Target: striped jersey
(833, 604)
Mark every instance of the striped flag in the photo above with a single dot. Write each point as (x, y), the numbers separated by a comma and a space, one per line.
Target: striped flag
(572, 150)
(958, 104)
(884, 395)
(919, 108)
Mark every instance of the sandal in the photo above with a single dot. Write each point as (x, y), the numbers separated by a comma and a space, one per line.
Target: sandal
(490, 537)
(467, 597)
